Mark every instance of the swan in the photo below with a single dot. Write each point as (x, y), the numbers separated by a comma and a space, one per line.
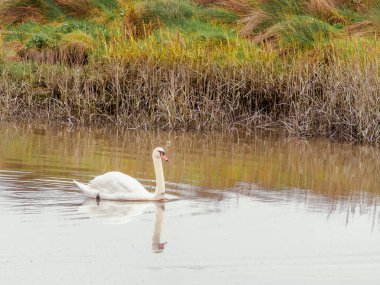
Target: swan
(115, 185)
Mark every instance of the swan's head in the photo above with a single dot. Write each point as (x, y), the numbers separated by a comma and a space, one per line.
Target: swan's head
(159, 152)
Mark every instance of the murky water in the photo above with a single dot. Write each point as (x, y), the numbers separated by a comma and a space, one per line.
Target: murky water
(251, 210)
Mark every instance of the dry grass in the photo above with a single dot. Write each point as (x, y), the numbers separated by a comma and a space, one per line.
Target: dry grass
(323, 94)
(251, 22)
(134, 26)
(19, 11)
(77, 8)
(325, 10)
(240, 7)
(364, 28)
(72, 54)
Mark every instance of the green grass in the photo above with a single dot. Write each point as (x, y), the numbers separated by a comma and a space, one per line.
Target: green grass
(170, 12)
(106, 5)
(286, 21)
(218, 15)
(303, 32)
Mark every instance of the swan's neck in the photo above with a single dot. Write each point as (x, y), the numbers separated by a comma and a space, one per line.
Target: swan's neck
(160, 182)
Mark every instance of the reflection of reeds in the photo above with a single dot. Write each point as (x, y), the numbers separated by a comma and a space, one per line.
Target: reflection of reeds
(208, 162)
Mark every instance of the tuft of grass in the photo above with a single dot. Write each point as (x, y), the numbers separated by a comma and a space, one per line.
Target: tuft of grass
(239, 7)
(362, 28)
(17, 11)
(218, 15)
(278, 8)
(75, 48)
(303, 32)
(22, 10)
(255, 22)
(105, 5)
(77, 37)
(39, 40)
(325, 10)
(75, 8)
(170, 12)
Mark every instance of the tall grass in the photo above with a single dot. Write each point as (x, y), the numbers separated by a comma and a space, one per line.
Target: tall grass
(179, 86)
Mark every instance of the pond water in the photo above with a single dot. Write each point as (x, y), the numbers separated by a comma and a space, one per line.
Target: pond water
(252, 209)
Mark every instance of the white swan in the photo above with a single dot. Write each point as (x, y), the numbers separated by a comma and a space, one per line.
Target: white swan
(119, 186)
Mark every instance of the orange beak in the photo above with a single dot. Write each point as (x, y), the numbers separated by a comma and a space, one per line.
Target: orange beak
(163, 156)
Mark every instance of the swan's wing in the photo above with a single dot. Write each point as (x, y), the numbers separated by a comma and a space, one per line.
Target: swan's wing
(116, 182)
(88, 191)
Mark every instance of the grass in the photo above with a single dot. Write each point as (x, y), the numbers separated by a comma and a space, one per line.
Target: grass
(308, 66)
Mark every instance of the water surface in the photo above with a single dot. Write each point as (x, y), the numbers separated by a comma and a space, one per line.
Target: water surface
(256, 209)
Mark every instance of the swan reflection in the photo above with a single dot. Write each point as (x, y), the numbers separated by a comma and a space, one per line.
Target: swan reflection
(114, 212)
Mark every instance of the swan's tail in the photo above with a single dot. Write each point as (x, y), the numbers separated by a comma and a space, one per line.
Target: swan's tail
(91, 193)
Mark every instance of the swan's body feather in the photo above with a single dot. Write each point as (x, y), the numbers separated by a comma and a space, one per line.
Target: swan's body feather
(116, 186)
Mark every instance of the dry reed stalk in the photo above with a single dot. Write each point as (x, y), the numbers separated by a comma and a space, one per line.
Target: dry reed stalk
(70, 53)
(336, 98)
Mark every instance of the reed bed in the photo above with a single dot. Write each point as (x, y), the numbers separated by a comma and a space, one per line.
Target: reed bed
(169, 87)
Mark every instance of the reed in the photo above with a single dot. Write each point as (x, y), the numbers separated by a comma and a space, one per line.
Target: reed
(171, 88)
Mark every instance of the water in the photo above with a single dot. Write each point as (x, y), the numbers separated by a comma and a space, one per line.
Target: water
(251, 210)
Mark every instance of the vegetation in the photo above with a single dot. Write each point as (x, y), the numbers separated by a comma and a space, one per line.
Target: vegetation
(309, 66)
